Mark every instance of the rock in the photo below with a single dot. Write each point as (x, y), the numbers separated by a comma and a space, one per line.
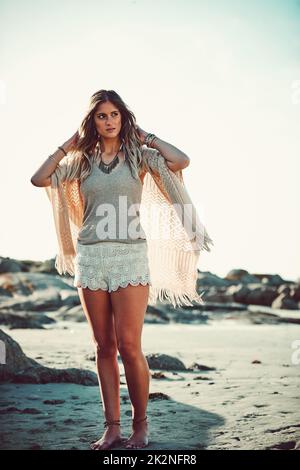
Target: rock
(273, 315)
(284, 289)
(54, 402)
(9, 265)
(18, 368)
(239, 293)
(38, 301)
(158, 375)
(207, 279)
(92, 357)
(286, 445)
(14, 286)
(241, 275)
(218, 295)
(295, 293)
(26, 283)
(154, 319)
(33, 286)
(219, 307)
(69, 297)
(14, 359)
(250, 294)
(158, 396)
(24, 319)
(262, 295)
(201, 377)
(157, 314)
(285, 301)
(46, 375)
(71, 314)
(164, 362)
(191, 317)
(46, 267)
(263, 318)
(35, 291)
(271, 279)
(253, 294)
(5, 293)
(12, 409)
(236, 274)
(196, 366)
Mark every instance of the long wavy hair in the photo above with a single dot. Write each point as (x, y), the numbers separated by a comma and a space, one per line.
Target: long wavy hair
(89, 141)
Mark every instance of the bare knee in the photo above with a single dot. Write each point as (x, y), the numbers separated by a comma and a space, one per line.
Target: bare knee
(106, 350)
(129, 351)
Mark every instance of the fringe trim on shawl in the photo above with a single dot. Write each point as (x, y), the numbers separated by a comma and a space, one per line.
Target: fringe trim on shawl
(177, 300)
(207, 241)
(65, 264)
(153, 184)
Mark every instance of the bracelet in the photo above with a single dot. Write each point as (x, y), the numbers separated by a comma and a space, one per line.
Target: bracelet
(149, 139)
(52, 157)
(61, 148)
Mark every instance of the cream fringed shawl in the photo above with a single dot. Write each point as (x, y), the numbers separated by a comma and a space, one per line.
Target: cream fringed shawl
(175, 235)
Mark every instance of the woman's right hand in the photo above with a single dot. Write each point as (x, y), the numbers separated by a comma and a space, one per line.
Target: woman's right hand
(70, 144)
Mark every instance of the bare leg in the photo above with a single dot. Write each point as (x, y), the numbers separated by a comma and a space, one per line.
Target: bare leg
(129, 307)
(98, 310)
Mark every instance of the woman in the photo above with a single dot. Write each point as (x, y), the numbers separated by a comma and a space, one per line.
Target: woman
(111, 268)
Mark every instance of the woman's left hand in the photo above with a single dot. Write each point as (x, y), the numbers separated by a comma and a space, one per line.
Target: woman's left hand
(142, 134)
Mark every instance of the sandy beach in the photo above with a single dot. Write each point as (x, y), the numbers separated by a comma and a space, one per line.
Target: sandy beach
(248, 400)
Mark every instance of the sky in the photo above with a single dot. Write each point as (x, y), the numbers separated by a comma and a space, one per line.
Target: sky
(220, 80)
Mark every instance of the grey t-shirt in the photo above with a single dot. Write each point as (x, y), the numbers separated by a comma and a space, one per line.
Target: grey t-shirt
(111, 206)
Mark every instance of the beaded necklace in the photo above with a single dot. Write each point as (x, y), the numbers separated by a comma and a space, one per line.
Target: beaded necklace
(108, 167)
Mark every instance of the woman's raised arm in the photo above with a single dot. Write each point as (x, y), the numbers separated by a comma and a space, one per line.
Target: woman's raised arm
(42, 177)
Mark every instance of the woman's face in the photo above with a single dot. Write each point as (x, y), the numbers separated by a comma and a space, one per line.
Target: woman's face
(107, 116)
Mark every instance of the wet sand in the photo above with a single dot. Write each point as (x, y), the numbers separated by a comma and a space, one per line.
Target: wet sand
(250, 401)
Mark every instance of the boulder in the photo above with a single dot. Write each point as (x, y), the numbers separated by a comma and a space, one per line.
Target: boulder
(164, 362)
(9, 265)
(285, 301)
(36, 292)
(295, 293)
(13, 319)
(66, 313)
(207, 279)
(16, 367)
(241, 275)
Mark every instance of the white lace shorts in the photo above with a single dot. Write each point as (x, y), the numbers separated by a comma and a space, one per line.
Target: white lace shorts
(110, 265)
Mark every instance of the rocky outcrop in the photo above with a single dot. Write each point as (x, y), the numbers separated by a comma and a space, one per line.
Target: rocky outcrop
(164, 362)
(250, 289)
(16, 367)
(34, 297)
(15, 319)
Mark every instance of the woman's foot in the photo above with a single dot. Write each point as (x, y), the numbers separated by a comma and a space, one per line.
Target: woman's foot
(140, 436)
(111, 437)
